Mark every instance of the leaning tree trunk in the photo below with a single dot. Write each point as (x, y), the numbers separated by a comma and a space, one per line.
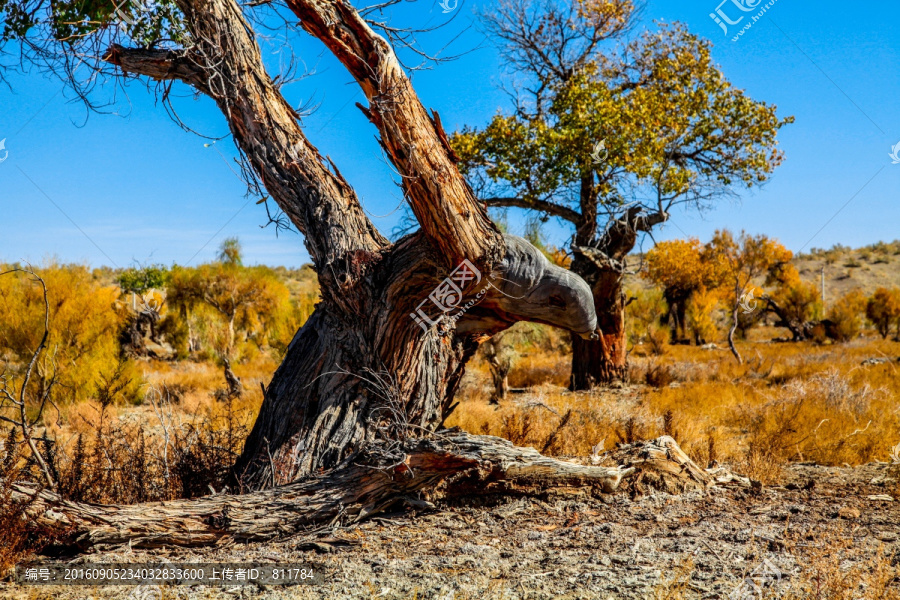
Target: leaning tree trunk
(355, 378)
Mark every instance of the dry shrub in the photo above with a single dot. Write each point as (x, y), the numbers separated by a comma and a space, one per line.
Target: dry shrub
(20, 537)
(116, 461)
(659, 375)
(825, 418)
(846, 316)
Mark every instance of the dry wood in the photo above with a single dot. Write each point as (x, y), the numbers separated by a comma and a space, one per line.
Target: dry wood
(663, 465)
(363, 486)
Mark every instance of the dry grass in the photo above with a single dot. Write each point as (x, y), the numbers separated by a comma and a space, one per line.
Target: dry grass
(788, 402)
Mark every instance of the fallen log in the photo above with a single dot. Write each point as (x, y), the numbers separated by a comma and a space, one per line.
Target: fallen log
(364, 485)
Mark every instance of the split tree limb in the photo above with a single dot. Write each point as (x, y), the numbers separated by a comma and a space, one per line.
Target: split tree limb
(226, 64)
(160, 65)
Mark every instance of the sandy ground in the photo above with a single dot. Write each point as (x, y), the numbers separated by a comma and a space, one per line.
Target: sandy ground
(570, 546)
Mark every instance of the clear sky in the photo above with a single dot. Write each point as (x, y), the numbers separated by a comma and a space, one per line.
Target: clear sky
(117, 188)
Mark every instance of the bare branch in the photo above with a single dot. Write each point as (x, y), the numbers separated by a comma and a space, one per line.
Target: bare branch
(550, 208)
(24, 423)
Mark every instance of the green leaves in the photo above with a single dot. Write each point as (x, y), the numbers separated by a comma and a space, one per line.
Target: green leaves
(670, 121)
(139, 280)
(77, 22)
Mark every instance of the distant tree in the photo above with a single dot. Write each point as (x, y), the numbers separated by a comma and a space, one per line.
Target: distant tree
(796, 303)
(139, 280)
(231, 252)
(742, 261)
(680, 268)
(609, 135)
(247, 299)
(883, 310)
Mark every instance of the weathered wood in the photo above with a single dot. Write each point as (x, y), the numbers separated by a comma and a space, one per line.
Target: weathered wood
(348, 379)
(362, 486)
(360, 370)
(661, 464)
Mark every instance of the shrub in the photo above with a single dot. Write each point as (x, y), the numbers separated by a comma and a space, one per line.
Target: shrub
(846, 316)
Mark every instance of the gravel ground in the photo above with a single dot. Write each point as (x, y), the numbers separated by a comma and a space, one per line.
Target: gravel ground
(567, 546)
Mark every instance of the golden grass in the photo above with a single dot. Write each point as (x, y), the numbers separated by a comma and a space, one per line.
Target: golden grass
(788, 401)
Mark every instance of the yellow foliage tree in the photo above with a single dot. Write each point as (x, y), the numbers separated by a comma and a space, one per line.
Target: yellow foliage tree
(224, 298)
(680, 267)
(883, 310)
(82, 357)
(739, 262)
(798, 302)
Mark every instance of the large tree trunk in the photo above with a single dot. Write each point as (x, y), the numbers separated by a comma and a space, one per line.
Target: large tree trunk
(348, 379)
(601, 362)
(351, 378)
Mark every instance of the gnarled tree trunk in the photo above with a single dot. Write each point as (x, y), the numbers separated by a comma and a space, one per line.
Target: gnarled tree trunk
(371, 363)
(602, 263)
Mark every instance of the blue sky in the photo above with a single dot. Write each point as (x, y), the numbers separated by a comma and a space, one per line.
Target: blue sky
(133, 186)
